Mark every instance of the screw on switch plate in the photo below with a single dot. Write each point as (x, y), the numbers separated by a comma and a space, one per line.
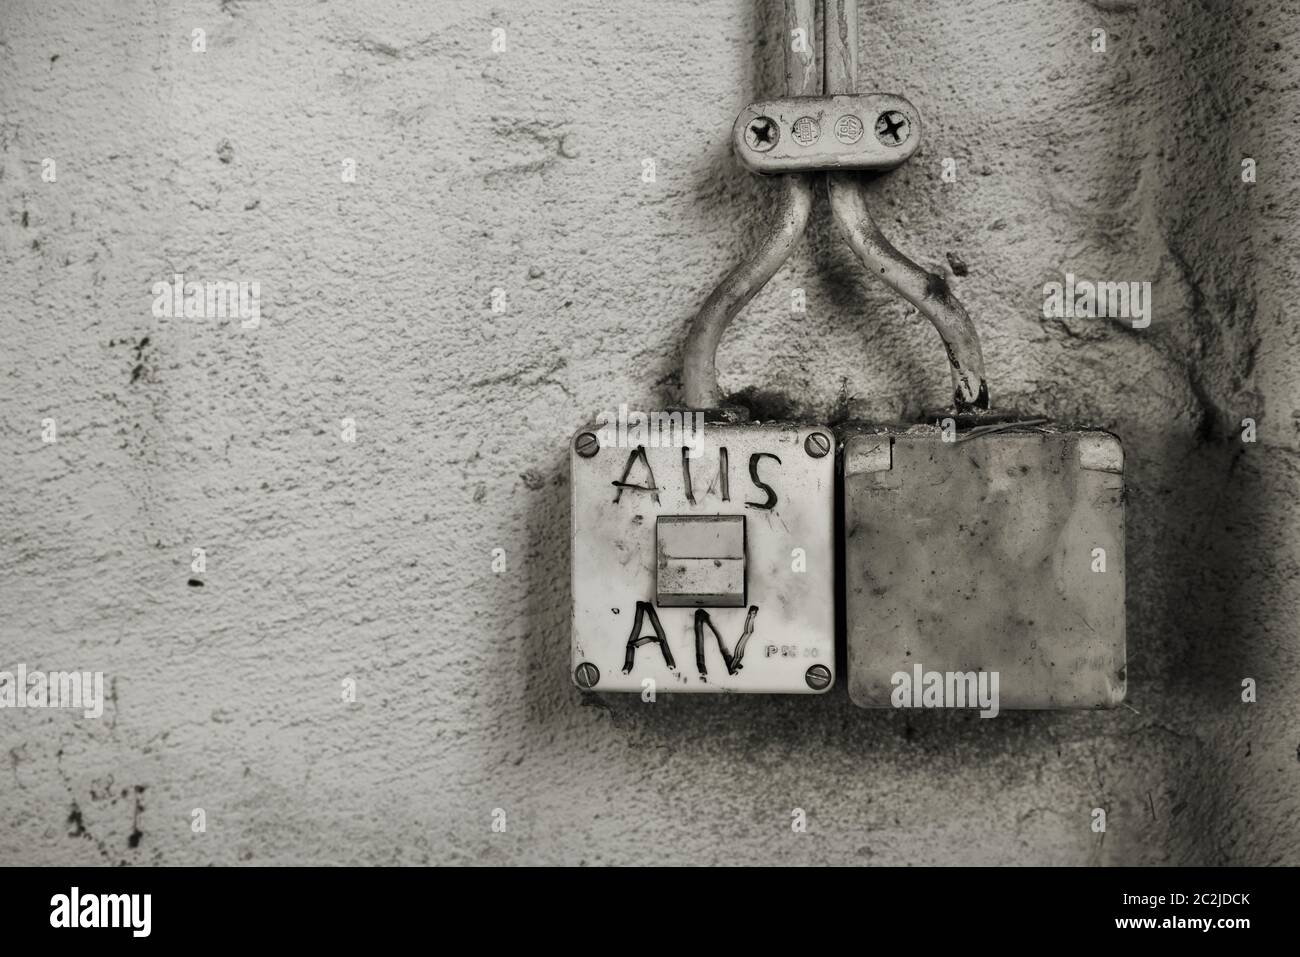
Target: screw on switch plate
(586, 675)
(817, 444)
(818, 677)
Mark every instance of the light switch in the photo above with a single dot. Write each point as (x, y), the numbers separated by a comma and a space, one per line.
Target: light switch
(999, 554)
(707, 566)
(701, 560)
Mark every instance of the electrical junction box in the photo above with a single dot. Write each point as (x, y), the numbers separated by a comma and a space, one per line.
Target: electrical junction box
(999, 552)
(703, 557)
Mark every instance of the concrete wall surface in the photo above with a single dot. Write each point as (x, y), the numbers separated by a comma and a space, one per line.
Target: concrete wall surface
(522, 170)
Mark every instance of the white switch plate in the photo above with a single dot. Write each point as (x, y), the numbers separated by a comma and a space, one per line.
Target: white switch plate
(789, 560)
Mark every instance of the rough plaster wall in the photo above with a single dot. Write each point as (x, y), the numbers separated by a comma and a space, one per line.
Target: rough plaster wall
(523, 171)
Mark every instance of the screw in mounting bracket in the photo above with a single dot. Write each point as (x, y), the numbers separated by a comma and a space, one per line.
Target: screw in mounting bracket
(893, 128)
(761, 134)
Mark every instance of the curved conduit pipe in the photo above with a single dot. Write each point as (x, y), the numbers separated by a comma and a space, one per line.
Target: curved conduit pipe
(793, 206)
(927, 291)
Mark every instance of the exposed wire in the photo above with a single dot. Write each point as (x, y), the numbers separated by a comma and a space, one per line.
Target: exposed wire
(981, 430)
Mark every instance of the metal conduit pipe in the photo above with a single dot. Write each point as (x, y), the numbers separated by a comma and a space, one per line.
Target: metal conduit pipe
(927, 291)
(792, 208)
